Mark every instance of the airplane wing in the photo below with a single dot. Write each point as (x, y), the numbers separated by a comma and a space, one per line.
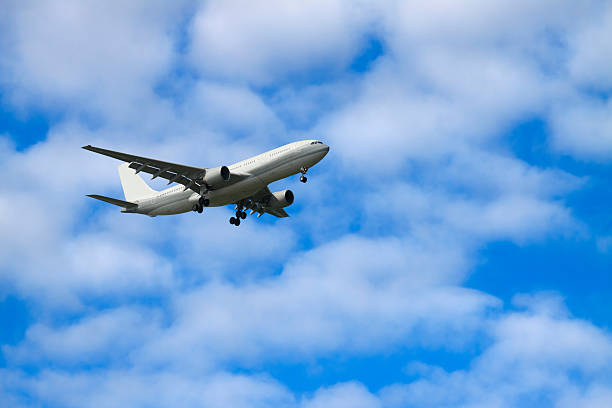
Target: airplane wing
(190, 177)
(263, 197)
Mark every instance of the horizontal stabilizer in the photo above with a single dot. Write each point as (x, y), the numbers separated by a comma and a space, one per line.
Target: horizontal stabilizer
(120, 203)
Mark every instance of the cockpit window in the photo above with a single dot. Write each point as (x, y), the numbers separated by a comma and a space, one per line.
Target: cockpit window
(316, 142)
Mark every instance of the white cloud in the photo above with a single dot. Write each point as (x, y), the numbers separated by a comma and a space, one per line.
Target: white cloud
(535, 358)
(234, 110)
(479, 196)
(597, 396)
(105, 57)
(52, 252)
(95, 339)
(530, 357)
(265, 42)
(351, 296)
(136, 388)
(590, 63)
(346, 395)
(583, 127)
(433, 106)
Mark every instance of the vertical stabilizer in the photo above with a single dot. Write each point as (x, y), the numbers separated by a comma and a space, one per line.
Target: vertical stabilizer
(134, 187)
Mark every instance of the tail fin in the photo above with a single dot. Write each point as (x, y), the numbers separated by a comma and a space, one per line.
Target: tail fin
(134, 187)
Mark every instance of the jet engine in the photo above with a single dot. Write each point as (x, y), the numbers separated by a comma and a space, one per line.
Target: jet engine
(217, 176)
(281, 199)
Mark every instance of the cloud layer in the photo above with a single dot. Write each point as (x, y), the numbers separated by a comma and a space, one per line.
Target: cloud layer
(377, 256)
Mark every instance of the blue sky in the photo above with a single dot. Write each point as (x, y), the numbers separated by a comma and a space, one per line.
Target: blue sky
(454, 248)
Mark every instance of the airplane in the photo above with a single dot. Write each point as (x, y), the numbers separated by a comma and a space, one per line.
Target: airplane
(243, 184)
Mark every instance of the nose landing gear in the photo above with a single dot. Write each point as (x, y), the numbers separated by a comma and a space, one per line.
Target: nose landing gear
(197, 208)
(303, 178)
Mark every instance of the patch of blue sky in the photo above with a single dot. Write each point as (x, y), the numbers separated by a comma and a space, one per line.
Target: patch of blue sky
(369, 53)
(570, 264)
(319, 75)
(374, 371)
(175, 84)
(530, 142)
(572, 267)
(15, 316)
(24, 130)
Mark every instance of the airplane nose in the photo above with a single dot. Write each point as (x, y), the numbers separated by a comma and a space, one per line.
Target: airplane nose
(326, 149)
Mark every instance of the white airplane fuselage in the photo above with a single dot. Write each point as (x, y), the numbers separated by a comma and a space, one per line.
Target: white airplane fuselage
(262, 170)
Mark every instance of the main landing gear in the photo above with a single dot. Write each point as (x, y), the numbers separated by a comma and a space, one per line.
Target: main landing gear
(240, 215)
(199, 207)
(303, 178)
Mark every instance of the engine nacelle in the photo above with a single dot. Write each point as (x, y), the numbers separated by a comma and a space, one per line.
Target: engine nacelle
(281, 199)
(217, 176)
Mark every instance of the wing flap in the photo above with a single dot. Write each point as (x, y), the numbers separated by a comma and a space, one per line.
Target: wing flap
(277, 212)
(173, 175)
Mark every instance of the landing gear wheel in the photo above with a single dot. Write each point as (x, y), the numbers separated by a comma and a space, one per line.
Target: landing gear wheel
(243, 215)
(200, 209)
(303, 170)
(204, 202)
(237, 222)
(232, 221)
(195, 208)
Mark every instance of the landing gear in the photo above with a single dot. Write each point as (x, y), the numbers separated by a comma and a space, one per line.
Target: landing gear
(199, 206)
(303, 178)
(240, 215)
